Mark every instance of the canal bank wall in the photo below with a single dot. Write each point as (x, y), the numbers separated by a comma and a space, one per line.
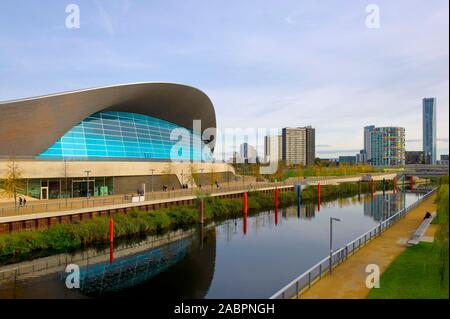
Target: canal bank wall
(43, 221)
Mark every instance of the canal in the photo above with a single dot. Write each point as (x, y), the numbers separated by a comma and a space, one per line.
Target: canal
(228, 260)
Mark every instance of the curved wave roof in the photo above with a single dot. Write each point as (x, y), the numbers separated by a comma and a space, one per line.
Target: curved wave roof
(30, 126)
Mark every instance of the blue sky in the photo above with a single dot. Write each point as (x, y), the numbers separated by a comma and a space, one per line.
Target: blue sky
(263, 63)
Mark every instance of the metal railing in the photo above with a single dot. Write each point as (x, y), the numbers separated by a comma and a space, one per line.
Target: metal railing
(297, 286)
(56, 205)
(82, 203)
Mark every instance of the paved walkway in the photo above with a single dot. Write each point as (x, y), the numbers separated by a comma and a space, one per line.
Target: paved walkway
(59, 205)
(348, 279)
(25, 217)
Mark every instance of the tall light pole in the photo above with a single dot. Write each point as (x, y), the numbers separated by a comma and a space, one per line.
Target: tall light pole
(152, 170)
(182, 178)
(87, 183)
(331, 241)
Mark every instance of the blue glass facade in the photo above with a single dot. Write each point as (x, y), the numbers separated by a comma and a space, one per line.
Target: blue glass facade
(122, 135)
(429, 130)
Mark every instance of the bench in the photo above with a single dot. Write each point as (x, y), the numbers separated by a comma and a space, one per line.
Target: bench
(415, 239)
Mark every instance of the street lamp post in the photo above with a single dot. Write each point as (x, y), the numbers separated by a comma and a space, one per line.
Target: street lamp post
(182, 178)
(152, 170)
(331, 241)
(87, 183)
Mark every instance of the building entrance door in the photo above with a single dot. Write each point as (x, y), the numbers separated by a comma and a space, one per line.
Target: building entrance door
(44, 193)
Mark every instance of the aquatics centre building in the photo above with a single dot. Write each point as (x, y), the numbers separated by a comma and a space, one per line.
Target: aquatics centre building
(110, 140)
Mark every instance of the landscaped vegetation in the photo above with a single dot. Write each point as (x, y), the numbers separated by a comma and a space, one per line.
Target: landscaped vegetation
(69, 237)
(319, 169)
(421, 271)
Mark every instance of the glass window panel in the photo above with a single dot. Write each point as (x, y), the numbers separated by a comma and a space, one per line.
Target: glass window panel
(120, 134)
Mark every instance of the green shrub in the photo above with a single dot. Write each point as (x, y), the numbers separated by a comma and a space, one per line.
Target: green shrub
(68, 237)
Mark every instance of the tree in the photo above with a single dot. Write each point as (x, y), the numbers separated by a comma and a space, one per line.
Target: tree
(300, 171)
(191, 176)
(256, 170)
(213, 174)
(12, 184)
(166, 173)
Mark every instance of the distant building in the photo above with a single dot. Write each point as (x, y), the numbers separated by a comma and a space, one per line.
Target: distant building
(429, 129)
(367, 142)
(299, 145)
(277, 141)
(388, 146)
(236, 158)
(361, 157)
(248, 153)
(414, 157)
(443, 160)
(329, 161)
(347, 159)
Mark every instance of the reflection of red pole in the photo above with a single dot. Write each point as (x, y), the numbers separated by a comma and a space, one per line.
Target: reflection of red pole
(276, 215)
(111, 230)
(245, 204)
(111, 252)
(318, 196)
(373, 187)
(245, 224)
(245, 212)
(276, 196)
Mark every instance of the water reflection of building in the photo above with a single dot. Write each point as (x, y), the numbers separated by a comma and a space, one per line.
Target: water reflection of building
(139, 270)
(97, 279)
(306, 211)
(384, 206)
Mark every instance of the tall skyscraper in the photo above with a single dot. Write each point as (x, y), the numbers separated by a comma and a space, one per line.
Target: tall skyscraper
(248, 153)
(388, 146)
(310, 145)
(270, 141)
(429, 129)
(367, 147)
(299, 145)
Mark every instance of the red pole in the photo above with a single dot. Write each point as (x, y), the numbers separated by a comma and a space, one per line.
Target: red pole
(245, 204)
(276, 196)
(111, 240)
(318, 196)
(111, 230)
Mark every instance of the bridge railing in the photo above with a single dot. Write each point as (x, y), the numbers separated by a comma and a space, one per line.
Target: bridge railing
(303, 282)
